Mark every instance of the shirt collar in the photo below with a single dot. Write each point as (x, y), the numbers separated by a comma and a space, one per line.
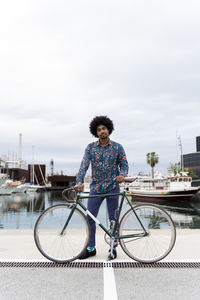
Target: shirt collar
(108, 144)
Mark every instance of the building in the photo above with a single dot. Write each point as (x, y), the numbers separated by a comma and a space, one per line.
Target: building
(62, 181)
(16, 174)
(35, 174)
(192, 162)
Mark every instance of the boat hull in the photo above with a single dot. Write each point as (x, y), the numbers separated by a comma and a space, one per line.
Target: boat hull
(5, 191)
(163, 196)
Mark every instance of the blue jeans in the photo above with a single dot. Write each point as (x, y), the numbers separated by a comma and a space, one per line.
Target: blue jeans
(94, 205)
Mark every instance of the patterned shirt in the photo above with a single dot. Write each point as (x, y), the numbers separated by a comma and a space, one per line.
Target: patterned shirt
(107, 162)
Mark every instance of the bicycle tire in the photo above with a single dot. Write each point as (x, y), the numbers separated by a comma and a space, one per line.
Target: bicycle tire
(57, 247)
(160, 238)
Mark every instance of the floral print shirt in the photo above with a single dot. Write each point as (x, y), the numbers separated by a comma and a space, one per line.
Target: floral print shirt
(107, 162)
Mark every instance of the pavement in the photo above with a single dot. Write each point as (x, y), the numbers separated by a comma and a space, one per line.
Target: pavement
(97, 283)
(19, 245)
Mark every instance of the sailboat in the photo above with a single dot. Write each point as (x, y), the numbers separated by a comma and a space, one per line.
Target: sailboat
(32, 187)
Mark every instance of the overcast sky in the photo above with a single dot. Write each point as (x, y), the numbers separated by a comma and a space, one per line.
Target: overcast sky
(62, 62)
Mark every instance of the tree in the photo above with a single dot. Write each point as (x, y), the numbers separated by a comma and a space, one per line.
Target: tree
(152, 160)
(190, 172)
(176, 169)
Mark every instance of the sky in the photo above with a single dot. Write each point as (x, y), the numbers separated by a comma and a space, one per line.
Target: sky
(62, 62)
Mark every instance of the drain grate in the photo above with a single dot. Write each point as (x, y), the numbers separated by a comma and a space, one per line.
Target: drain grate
(170, 265)
(115, 265)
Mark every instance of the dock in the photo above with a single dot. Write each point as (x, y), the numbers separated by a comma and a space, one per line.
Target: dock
(26, 274)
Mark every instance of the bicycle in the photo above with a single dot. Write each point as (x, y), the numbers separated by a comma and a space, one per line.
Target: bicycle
(145, 232)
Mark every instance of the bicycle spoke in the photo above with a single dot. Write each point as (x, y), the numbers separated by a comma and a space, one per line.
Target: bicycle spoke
(160, 238)
(71, 243)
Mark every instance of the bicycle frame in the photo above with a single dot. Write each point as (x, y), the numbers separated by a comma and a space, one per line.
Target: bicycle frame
(112, 234)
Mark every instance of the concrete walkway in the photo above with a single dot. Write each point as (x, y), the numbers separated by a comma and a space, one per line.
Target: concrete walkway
(86, 283)
(19, 244)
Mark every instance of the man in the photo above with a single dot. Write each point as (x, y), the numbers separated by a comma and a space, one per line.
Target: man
(109, 167)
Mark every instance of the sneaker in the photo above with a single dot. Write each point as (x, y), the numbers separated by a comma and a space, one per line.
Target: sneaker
(113, 256)
(87, 254)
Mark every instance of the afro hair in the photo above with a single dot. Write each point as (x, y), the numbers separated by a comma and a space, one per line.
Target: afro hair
(101, 120)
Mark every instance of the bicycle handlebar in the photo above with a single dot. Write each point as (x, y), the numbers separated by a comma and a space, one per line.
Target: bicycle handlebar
(71, 195)
(129, 179)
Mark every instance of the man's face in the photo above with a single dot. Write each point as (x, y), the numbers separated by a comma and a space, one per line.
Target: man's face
(102, 132)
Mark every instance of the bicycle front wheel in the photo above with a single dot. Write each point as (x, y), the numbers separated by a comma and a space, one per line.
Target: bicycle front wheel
(57, 243)
(159, 238)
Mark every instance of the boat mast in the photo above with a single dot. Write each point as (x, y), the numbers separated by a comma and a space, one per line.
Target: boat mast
(33, 171)
(181, 150)
(20, 151)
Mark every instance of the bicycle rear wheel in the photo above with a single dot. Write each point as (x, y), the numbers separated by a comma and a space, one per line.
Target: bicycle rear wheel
(60, 246)
(160, 237)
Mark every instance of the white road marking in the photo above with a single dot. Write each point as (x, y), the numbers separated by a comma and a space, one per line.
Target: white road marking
(110, 291)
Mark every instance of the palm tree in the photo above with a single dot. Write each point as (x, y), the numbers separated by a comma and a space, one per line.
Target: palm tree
(174, 168)
(152, 160)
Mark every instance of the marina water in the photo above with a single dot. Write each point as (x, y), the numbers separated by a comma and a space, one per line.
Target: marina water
(20, 211)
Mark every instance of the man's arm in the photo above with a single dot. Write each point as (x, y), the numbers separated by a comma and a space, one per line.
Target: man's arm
(123, 165)
(82, 171)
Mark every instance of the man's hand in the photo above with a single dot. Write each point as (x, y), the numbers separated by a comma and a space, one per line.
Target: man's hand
(119, 179)
(79, 188)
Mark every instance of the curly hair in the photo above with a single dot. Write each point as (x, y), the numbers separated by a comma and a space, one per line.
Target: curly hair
(101, 120)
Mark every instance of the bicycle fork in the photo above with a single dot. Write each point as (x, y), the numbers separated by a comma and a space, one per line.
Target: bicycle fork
(73, 207)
